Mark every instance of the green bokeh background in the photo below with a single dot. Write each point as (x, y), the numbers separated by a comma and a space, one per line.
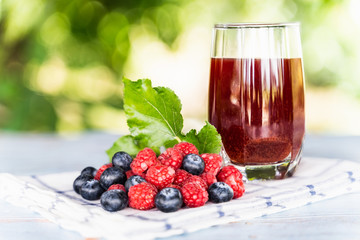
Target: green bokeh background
(61, 62)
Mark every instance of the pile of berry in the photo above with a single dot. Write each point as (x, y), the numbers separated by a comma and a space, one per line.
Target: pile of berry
(179, 176)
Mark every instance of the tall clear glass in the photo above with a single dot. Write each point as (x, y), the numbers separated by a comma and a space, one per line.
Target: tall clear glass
(256, 97)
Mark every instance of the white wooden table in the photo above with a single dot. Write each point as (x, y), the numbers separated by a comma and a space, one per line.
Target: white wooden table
(24, 154)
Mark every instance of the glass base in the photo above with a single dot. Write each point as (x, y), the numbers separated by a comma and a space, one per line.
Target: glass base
(279, 170)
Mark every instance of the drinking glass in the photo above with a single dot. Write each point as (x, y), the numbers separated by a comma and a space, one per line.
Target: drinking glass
(256, 97)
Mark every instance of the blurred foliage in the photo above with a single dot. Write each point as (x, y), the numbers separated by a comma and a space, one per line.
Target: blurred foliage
(61, 61)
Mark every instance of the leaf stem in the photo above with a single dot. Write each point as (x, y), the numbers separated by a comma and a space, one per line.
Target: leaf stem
(177, 139)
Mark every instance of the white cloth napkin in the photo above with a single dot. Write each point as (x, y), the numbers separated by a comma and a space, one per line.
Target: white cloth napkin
(53, 197)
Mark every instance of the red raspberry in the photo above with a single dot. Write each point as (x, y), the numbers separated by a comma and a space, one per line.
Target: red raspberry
(131, 173)
(155, 188)
(142, 196)
(174, 186)
(143, 160)
(101, 170)
(160, 176)
(228, 171)
(236, 184)
(186, 148)
(213, 162)
(195, 180)
(180, 176)
(194, 195)
(209, 178)
(171, 157)
(117, 186)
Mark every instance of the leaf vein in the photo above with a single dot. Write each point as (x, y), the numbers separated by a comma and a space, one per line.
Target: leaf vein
(161, 115)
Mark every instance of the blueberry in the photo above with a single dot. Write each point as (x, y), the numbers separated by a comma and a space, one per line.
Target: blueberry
(132, 181)
(193, 164)
(80, 180)
(89, 171)
(114, 200)
(169, 200)
(112, 175)
(123, 160)
(220, 192)
(91, 190)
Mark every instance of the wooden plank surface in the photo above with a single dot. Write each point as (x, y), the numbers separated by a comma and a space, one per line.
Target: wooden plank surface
(24, 154)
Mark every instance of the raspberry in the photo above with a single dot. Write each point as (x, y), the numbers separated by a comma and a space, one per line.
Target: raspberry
(131, 173)
(212, 162)
(117, 186)
(186, 148)
(160, 176)
(153, 187)
(195, 180)
(227, 171)
(101, 170)
(171, 157)
(236, 184)
(180, 176)
(209, 178)
(143, 160)
(233, 177)
(142, 196)
(174, 186)
(194, 195)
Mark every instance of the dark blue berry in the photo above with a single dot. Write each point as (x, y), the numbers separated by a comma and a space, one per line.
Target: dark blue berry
(89, 171)
(123, 160)
(114, 200)
(220, 192)
(80, 180)
(112, 175)
(169, 200)
(132, 181)
(91, 190)
(193, 164)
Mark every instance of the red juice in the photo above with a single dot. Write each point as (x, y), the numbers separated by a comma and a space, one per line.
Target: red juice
(257, 105)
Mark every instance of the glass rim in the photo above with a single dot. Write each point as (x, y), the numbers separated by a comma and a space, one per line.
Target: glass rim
(255, 25)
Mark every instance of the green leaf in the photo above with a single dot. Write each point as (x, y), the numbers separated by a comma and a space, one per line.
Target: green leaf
(153, 114)
(125, 143)
(154, 119)
(208, 140)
